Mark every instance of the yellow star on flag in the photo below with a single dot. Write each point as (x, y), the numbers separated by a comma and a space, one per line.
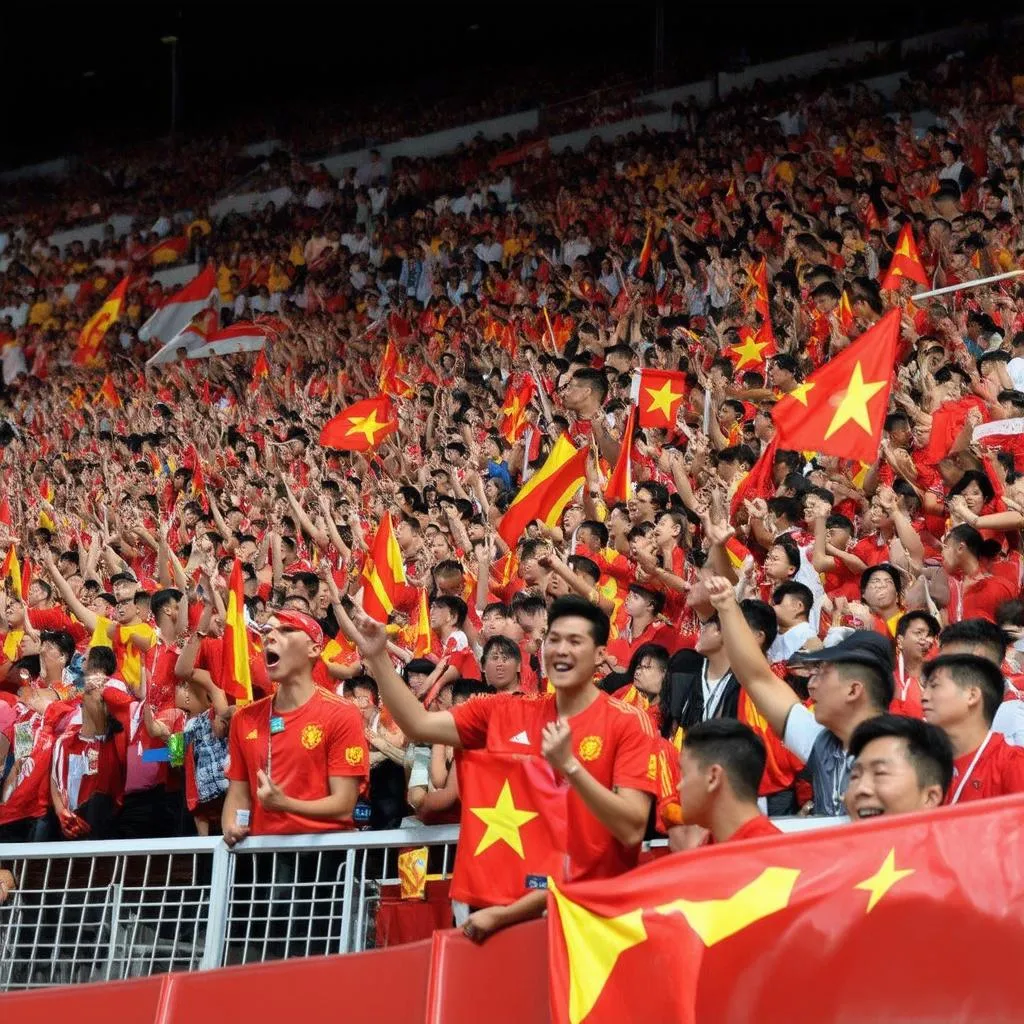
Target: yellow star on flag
(801, 391)
(883, 880)
(503, 821)
(662, 399)
(854, 406)
(594, 944)
(368, 426)
(749, 352)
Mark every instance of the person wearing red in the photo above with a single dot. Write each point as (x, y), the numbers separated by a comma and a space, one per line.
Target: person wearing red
(643, 606)
(297, 760)
(916, 633)
(720, 769)
(961, 694)
(601, 748)
(973, 593)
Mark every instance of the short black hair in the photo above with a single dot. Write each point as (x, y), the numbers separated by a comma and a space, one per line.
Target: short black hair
(505, 645)
(655, 597)
(161, 598)
(761, 618)
(595, 380)
(877, 684)
(733, 745)
(978, 632)
(970, 670)
(918, 615)
(455, 605)
(101, 659)
(571, 606)
(800, 591)
(790, 548)
(928, 747)
(62, 640)
(420, 666)
(890, 570)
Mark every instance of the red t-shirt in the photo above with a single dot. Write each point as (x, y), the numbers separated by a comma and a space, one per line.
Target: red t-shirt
(613, 741)
(871, 550)
(100, 766)
(211, 658)
(622, 650)
(979, 599)
(759, 826)
(321, 739)
(998, 772)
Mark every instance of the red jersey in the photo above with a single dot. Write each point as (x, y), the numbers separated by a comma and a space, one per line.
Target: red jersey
(612, 740)
(998, 771)
(622, 650)
(87, 767)
(321, 739)
(759, 826)
(978, 599)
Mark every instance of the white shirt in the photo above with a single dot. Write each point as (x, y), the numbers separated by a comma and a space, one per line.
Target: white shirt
(1009, 721)
(787, 644)
(489, 253)
(1015, 368)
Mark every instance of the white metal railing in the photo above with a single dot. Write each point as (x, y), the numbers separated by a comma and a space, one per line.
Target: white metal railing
(109, 910)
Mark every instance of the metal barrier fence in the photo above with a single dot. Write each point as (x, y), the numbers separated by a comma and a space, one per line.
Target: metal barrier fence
(105, 911)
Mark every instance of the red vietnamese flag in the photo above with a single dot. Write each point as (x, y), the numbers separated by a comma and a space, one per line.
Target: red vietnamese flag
(383, 573)
(545, 495)
(759, 482)
(759, 276)
(11, 570)
(845, 313)
(424, 643)
(1001, 435)
(108, 393)
(657, 394)
(260, 368)
(512, 828)
(513, 411)
(643, 264)
(361, 426)
(756, 348)
(237, 681)
(840, 409)
(167, 250)
(906, 262)
(192, 461)
(5, 511)
(872, 888)
(392, 365)
(620, 483)
(93, 333)
(77, 399)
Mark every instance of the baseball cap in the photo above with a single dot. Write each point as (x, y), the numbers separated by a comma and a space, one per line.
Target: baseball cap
(301, 621)
(861, 647)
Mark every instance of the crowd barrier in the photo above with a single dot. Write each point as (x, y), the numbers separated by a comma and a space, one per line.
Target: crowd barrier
(115, 910)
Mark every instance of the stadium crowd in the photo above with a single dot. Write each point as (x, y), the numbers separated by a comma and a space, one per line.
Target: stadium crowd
(848, 638)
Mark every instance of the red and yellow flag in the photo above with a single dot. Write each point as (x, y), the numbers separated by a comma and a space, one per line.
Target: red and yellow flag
(906, 262)
(77, 399)
(11, 570)
(260, 368)
(657, 394)
(383, 573)
(512, 833)
(5, 511)
(89, 341)
(873, 888)
(237, 681)
(361, 426)
(759, 482)
(755, 348)
(545, 495)
(424, 642)
(513, 411)
(759, 275)
(643, 264)
(108, 394)
(392, 373)
(620, 483)
(840, 409)
(845, 313)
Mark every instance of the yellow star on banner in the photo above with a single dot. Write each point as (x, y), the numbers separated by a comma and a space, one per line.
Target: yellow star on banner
(883, 880)
(662, 399)
(801, 391)
(503, 821)
(368, 426)
(854, 406)
(749, 352)
(594, 944)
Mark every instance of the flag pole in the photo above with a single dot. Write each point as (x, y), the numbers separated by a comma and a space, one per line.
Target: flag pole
(966, 284)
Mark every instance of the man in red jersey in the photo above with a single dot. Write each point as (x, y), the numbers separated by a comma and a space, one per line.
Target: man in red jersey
(961, 694)
(301, 753)
(720, 769)
(602, 748)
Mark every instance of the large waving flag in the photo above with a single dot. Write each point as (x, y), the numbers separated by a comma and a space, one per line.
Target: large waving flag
(393, 369)
(167, 250)
(424, 642)
(93, 333)
(241, 336)
(512, 828)
(178, 309)
(194, 335)
(775, 911)
(108, 393)
(361, 426)
(620, 483)
(384, 572)
(237, 681)
(513, 410)
(547, 492)
(906, 262)
(755, 348)
(643, 264)
(840, 409)
(11, 570)
(759, 482)
(759, 278)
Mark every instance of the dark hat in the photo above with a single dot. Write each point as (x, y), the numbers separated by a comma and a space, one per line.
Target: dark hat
(861, 647)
